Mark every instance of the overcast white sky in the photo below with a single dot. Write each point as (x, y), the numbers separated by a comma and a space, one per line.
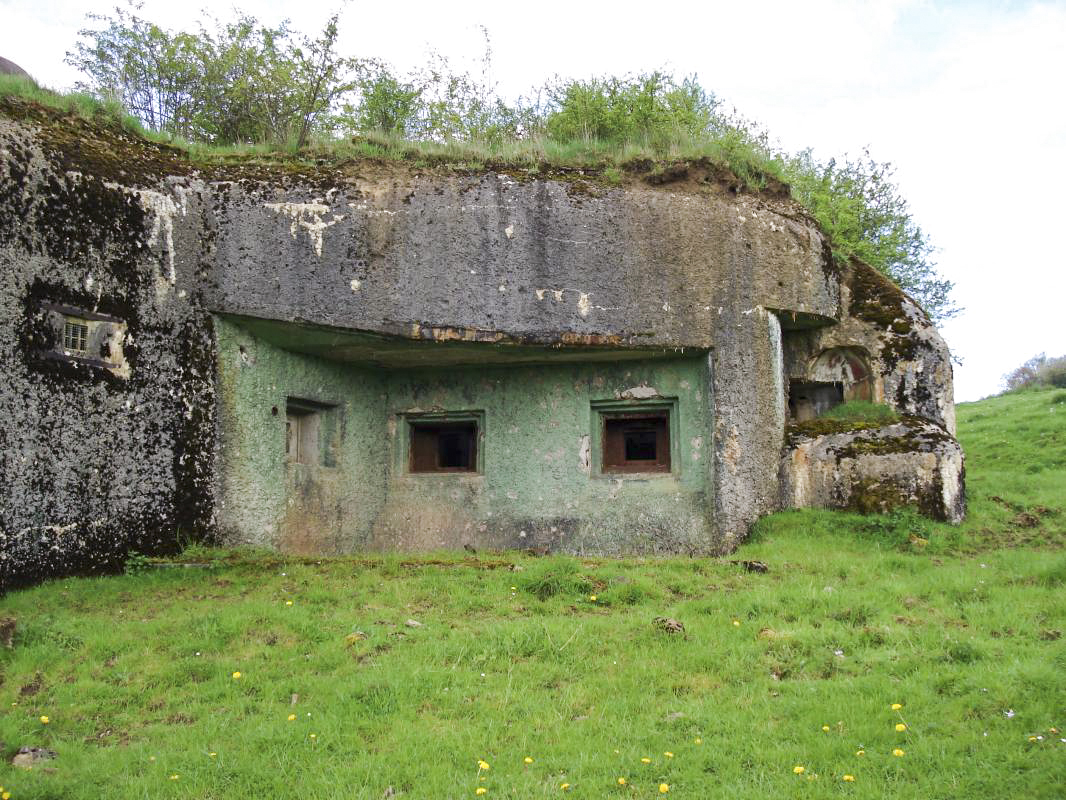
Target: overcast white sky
(967, 99)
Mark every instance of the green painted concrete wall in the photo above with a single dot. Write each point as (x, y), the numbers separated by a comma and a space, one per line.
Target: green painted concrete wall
(537, 488)
(539, 483)
(303, 508)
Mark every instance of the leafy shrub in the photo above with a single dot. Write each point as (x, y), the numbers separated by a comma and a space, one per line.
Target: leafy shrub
(136, 564)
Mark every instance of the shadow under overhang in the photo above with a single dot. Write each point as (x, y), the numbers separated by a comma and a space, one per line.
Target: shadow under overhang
(411, 345)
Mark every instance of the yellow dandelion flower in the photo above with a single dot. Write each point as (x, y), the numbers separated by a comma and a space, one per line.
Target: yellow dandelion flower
(313, 736)
(174, 777)
(480, 790)
(860, 752)
(44, 720)
(621, 781)
(668, 754)
(896, 706)
(1032, 738)
(849, 778)
(213, 755)
(514, 588)
(798, 770)
(664, 788)
(292, 717)
(736, 622)
(699, 740)
(592, 597)
(528, 760)
(900, 727)
(288, 602)
(825, 728)
(5, 796)
(236, 676)
(897, 752)
(564, 786)
(645, 760)
(483, 765)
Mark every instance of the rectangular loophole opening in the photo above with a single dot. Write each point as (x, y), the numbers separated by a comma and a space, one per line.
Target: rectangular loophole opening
(443, 446)
(638, 442)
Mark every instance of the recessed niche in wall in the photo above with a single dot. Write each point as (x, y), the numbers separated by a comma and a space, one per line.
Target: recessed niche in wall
(444, 443)
(310, 430)
(85, 337)
(810, 399)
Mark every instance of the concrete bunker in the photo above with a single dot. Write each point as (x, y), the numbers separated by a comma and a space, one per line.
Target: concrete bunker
(395, 356)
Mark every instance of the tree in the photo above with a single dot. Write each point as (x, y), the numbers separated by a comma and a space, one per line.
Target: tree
(1038, 371)
(859, 206)
(148, 70)
(240, 82)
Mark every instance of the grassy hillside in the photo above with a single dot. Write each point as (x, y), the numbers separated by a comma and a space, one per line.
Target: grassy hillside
(251, 675)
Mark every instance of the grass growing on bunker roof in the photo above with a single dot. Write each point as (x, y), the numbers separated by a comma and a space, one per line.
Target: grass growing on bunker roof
(607, 162)
(253, 674)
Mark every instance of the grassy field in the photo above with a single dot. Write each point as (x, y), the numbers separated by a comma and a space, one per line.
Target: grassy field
(257, 676)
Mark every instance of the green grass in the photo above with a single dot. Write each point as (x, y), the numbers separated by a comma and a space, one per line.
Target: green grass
(514, 658)
(862, 411)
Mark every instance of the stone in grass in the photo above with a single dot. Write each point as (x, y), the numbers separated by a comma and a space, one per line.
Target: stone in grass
(29, 757)
(413, 623)
(669, 624)
(752, 566)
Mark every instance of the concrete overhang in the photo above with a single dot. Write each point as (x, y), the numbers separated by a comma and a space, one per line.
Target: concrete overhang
(412, 345)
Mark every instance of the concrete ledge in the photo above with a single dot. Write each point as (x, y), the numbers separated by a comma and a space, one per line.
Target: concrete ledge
(910, 463)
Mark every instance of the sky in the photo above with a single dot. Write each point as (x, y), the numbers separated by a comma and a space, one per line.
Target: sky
(966, 99)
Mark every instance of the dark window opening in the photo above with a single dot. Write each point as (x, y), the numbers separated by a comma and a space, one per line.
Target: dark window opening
(637, 443)
(810, 399)
(443, 447)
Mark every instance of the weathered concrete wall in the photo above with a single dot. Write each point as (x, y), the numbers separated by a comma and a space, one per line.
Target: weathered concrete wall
(538, 260)
(93, 464)
(541, 486)
(266, 500)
